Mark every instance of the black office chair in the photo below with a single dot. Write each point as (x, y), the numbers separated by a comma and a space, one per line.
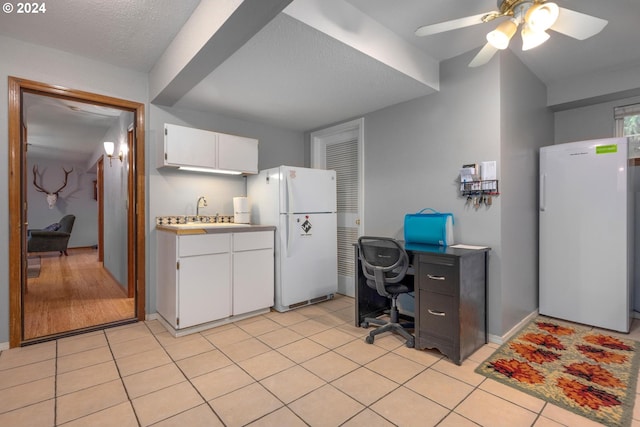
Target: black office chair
(385, 264)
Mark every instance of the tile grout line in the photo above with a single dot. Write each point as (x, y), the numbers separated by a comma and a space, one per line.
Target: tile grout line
(387, 348)
(113, 356)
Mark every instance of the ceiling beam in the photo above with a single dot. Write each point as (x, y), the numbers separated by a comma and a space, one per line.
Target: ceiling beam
(347, 24)
(215, 30)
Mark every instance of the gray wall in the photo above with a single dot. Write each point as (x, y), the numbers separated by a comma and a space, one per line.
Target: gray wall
(526, 125)
(413, 155)
(116, 204)
(414, 151)
(589, 122)
(173, 192)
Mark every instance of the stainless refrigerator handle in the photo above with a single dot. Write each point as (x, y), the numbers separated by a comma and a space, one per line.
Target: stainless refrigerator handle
(543, 199)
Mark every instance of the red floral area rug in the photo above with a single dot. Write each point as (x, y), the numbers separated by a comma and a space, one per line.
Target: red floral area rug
(576, 367)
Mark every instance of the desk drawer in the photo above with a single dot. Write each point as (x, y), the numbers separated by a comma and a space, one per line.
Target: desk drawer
(438, 278)
(437, 315)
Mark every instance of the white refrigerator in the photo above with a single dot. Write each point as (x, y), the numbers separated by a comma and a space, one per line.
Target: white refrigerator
(301, 203)
(586, 233)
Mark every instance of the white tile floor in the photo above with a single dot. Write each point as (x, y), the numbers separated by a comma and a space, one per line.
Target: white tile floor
(308, 367)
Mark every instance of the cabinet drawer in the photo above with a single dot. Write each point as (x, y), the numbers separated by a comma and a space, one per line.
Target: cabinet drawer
(252, 240)
(201, 244)
(438, 278)
(437, 315)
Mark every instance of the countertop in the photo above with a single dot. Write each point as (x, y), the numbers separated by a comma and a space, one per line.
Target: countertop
(211, 228)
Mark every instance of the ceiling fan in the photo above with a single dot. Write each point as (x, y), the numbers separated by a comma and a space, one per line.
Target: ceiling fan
(535, 17)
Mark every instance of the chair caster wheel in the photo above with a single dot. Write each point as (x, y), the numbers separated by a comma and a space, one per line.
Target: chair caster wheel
(411, 343)
(368, 339)
(364, 325)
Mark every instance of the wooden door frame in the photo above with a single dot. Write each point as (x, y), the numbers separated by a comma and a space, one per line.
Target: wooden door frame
(100, 190)
(17, 201)
(131, 238)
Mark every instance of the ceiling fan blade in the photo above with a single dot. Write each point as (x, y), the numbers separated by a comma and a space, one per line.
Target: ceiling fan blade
(442, 27)
(578, 25)
(484, 56)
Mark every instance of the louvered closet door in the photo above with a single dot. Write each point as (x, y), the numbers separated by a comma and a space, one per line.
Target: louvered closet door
(340, 148)
(343, 158)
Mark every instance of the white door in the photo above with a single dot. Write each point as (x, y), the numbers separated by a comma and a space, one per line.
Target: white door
(308, 263)
(340, 148)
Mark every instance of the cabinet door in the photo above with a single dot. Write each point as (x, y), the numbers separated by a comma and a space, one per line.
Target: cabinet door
(253, 284)
(186, 146)
(204, 291)
(237, 153)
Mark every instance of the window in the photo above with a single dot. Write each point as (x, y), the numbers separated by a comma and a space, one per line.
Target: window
(628, 124)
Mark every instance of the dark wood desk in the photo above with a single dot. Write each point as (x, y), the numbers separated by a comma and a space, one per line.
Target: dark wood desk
(450, 298)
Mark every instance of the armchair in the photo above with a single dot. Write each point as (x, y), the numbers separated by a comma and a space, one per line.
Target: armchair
(51, 240)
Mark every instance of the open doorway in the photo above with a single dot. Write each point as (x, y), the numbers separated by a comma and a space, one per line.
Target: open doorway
(115, 229)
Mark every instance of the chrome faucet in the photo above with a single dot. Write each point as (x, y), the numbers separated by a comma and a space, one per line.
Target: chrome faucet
(201, 203)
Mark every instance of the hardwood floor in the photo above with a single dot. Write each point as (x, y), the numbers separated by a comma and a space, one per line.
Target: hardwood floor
(73, 292)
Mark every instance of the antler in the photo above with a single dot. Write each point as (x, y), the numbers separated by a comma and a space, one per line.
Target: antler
(66, 175)
(35, 172)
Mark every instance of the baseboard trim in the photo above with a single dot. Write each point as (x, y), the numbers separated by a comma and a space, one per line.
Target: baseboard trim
(4, 346)
(497, 339)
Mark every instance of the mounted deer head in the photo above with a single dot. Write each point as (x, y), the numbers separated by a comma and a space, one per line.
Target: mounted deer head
(53, 196)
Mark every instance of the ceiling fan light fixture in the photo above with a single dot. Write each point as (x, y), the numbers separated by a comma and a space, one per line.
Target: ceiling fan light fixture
(531, 39)
(540, 17)
(500, 37)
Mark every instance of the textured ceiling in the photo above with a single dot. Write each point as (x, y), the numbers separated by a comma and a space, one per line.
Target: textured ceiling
(126, 33)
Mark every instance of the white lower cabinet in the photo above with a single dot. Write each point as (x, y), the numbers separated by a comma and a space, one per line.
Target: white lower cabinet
(253, 271)
(208, 278)
(205, 289)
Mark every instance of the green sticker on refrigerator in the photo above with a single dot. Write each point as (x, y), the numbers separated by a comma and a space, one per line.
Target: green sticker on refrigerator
(606, 149)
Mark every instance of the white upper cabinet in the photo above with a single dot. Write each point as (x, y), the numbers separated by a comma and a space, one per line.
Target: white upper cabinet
(185, 146)
(237, 153)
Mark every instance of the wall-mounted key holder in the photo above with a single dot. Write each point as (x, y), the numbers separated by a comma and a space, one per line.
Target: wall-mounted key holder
(479, 193)
(478, 184)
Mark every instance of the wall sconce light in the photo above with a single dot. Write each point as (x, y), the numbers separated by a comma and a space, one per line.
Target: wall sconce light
(109, 148)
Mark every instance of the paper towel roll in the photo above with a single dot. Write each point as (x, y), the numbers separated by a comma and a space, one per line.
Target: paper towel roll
(241, 212)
